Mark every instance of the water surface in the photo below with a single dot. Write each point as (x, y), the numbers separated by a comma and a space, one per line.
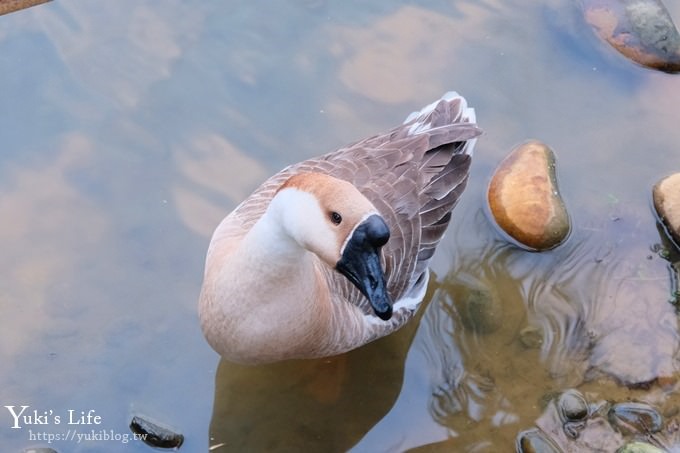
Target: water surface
(129, 129)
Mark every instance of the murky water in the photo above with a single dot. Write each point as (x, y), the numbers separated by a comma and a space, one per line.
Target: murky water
(129, 129)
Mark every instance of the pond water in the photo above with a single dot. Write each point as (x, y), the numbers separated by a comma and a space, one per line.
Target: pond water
(128, 129)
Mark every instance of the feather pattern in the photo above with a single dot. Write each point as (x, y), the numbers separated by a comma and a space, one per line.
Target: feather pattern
(413, 174)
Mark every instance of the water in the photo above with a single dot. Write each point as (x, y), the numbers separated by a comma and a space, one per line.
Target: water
(129, 129)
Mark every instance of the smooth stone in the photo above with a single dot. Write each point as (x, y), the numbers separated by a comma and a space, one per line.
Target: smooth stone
(639, 447)
(666, 198)
(154, 434)
(635, 418)
(479, 310)
(535, 441)
(531, 337)
(524, 198)
(641, 30)
(573, 412)
(572, 406)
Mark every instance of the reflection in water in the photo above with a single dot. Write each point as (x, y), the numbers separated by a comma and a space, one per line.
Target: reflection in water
(625, 328)
(413, 55)
(601, 295)
(600, 301)
(114, 134)
(89, 38)
(41, 201)
(213, 169)
(307, 405)
(463, 391)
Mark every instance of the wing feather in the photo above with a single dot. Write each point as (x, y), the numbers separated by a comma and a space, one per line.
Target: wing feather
(413, 174)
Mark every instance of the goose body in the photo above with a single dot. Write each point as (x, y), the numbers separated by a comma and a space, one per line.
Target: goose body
(332, 252)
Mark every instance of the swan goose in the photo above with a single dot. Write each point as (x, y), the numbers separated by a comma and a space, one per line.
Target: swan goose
(332, 252)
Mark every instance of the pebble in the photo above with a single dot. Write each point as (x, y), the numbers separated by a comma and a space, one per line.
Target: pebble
(641, 30)
(535, 441)
(573, 406)
(524, 199)
(154, 434)
(573, 411)
(635, 418)
(666, 198)
(531, 337)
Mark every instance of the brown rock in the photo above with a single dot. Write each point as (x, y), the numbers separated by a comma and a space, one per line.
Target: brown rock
(666, 197)
(524, 199)
(642, 30)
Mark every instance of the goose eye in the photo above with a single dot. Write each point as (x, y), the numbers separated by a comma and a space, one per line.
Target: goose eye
(336, 218)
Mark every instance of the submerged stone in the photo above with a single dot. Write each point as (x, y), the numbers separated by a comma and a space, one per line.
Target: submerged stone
(535, 441)
(573, 411)
(524, 198)
(572, 406)
(601, 426)
(642, 30)
(635, 418)
(479, 310)
(531, 337)
(155, 435)
(666, 197)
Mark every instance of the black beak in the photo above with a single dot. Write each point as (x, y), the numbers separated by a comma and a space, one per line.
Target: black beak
(360, 263)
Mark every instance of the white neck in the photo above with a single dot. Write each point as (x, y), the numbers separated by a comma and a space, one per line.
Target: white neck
(267, 293)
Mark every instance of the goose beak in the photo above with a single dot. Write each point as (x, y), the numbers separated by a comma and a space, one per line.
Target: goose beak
(360, 263)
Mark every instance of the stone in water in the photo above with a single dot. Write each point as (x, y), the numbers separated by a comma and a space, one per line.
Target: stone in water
(524, 198)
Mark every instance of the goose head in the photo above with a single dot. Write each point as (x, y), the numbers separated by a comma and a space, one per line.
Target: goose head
(332, 219)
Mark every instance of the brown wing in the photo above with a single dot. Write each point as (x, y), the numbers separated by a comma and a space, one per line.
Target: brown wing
(413, 174)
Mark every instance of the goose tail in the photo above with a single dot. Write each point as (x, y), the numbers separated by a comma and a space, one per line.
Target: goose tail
(451, 129)
(446, 120)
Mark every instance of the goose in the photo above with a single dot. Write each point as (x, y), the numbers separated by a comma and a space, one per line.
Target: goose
(332, 253)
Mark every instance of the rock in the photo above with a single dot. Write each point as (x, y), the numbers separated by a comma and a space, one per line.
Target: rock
(642, 30)
(480, 311)
(633, 418)
(155, 435)
(600, 426)
(524, 198)
(572, 406)
(531, 337)
(666, 197)
(535, 441)
(573, 411)
(40, 450)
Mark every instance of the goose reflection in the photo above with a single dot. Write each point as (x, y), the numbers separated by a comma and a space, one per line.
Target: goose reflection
(308, 405)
